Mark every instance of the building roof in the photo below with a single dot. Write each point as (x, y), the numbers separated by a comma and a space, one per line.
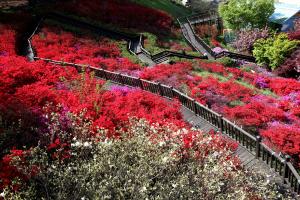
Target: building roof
(284, 11)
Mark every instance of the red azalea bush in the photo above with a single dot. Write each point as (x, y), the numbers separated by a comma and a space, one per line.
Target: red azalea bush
(278, 85)
(83, 50)
(116, 109)
(215, 43)
(285, 137)
(283, 86)
(32, 89)
(255, 113)
(123, 13)
(173, 75)
(18, 77)
(9, 172)
(61, 41)
(218, 94)
(7, 40)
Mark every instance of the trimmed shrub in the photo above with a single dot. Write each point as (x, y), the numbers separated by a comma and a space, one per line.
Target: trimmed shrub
(274, 50)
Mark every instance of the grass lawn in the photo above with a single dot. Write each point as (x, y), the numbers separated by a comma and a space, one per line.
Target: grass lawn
(126, 54)
(165, 5)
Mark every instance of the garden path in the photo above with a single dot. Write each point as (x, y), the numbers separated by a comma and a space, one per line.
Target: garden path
(246, 157)
(190, 36)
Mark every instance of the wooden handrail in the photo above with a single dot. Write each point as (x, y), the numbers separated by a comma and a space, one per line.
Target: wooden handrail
(209, 49)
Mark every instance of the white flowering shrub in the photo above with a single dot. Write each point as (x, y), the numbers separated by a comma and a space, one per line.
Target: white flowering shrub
(147, 162)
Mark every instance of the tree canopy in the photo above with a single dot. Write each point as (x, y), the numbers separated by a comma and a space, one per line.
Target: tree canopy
(239, 14)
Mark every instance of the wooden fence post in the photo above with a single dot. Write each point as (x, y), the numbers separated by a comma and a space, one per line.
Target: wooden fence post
(120, 79)
(173, 92)
(194, 106)
(221, 126)
(104, 74)
(257, 149)
(160, 89)
(285, 167)
(141, 83)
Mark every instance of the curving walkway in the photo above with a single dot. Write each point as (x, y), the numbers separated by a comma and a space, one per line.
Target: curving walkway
(191, 37)
(200, 45)
(246, 157)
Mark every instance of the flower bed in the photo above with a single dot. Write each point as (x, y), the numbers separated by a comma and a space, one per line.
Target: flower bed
(67, 47)
(263, 100)
(55, 104)
(244, 105)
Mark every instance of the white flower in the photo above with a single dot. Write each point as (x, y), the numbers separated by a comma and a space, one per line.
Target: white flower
(77, 144)
(86, 144)
(2, 194)
(185, 131)
(161, 143)
(215, 154)
(143, 189)
(165, 159)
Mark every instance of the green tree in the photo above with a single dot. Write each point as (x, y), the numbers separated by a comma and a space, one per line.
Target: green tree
(274, 50)
(239, 14)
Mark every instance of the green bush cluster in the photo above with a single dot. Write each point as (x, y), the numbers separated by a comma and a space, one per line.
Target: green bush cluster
(228, 62)
(274, 50)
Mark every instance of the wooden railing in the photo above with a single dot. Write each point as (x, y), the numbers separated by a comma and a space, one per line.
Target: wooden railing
(165, 55)
(235, 56)
(189, 21)
(201, 41)
(186, 36)
(281, 164)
